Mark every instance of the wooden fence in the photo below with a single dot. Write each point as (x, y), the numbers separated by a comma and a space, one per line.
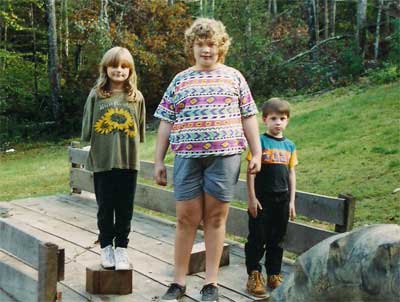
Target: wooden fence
(301, 236)
(29, 267)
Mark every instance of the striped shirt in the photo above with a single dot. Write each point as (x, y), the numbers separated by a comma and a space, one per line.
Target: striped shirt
(206, 109)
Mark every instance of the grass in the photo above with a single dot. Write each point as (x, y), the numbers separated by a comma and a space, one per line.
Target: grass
(348, 141)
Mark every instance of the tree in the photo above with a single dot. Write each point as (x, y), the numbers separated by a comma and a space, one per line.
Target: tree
(312, 30)
(361, 26)
(378, 26)
(53, 59)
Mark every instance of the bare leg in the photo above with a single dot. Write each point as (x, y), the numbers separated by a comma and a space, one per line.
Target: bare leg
(215, 214)
(189, 214)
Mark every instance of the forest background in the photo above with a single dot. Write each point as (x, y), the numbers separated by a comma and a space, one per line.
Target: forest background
(50, 50)
(337, 61)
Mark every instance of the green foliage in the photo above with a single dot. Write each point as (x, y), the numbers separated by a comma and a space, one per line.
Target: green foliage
(386, 74)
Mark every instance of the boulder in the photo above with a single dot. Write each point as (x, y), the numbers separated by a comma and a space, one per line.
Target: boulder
(359, 266)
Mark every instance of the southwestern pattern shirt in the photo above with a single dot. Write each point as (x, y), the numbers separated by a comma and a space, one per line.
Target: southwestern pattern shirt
(206, 109)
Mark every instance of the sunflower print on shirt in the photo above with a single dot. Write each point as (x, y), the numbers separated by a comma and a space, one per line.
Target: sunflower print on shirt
(116, 119)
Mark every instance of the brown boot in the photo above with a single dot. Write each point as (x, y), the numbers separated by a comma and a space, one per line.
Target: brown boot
(274, 281)
(256, 285)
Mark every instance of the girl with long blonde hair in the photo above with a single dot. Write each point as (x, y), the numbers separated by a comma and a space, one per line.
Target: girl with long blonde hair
(114, 124)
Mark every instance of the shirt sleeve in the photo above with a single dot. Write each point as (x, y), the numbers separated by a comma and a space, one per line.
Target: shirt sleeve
(87, 120)
(142, 120)
(246, 102)
(166, 109)
(293, 159)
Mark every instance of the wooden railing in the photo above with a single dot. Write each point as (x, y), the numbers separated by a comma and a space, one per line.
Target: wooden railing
(29, 267)
(300, 237)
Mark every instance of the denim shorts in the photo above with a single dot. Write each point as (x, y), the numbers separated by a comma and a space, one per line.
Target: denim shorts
(215, 175)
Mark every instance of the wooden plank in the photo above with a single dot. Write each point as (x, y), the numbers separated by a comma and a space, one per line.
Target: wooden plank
(19, 243)
(48, 272)
(17, 279)
(155, 199)
(81, 179)
(324, 208)
(77, 156)
(5, 297)
(156, 237)
(144, 262)
(300, 237)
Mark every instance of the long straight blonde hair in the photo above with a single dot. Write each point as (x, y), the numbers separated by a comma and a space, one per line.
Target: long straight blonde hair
(114, 57)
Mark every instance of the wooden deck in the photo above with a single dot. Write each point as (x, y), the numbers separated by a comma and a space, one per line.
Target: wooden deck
(70, 222)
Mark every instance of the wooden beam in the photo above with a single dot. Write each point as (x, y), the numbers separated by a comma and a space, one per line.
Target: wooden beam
(17, 279)
(19, 243)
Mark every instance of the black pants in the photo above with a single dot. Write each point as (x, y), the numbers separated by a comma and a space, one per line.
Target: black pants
(266, 233)
(115, 192)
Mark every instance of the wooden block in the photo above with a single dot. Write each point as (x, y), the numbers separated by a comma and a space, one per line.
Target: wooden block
(108, 282)
(197, 262)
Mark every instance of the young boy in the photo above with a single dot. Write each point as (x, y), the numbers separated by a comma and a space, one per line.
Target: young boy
(271, 196)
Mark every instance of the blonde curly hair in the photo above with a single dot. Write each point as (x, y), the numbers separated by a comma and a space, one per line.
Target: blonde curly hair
(113, 57)
(207, 29)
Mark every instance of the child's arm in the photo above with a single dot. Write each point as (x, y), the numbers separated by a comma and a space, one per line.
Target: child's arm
(292, 184)
(250, 128)
(252, 202)
(160, 172)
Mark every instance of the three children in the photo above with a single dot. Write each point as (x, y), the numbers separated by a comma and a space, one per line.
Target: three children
(207, 114)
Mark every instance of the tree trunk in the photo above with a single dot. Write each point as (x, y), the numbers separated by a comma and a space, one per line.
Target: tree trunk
(311, 29)
(275, 7)
(378, 26)
(53, 59)
(326, 19)
(170, 2)
(66, 25)
(248, 29)
(332, 16)
(35, 73)
(316, 19)
(361, 26)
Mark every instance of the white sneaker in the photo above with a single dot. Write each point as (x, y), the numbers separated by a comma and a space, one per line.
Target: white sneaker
(121, 259)
(107, 257)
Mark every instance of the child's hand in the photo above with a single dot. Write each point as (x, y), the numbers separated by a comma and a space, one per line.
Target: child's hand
(254, 165)
(292, 211)
(253, 205)
(160, 174)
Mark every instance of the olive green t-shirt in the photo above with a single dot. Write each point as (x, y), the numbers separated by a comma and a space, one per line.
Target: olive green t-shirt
(114, 127)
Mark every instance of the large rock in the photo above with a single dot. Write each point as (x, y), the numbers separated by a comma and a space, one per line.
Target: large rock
(361, 265)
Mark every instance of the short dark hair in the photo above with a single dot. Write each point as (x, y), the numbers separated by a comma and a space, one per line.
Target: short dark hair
(275, 105)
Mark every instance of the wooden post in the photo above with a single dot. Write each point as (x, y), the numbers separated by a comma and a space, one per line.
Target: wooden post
(75, 144)
(350, 206)
(48, 272)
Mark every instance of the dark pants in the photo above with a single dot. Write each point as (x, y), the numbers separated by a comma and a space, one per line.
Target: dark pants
(266, 233)
(115, 192)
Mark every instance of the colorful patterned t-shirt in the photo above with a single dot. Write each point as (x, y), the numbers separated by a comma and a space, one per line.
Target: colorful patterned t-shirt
(206, 109)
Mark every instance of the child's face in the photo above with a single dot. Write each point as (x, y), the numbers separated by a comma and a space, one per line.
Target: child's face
(276, 123)
(205, 53)
(118, 73)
